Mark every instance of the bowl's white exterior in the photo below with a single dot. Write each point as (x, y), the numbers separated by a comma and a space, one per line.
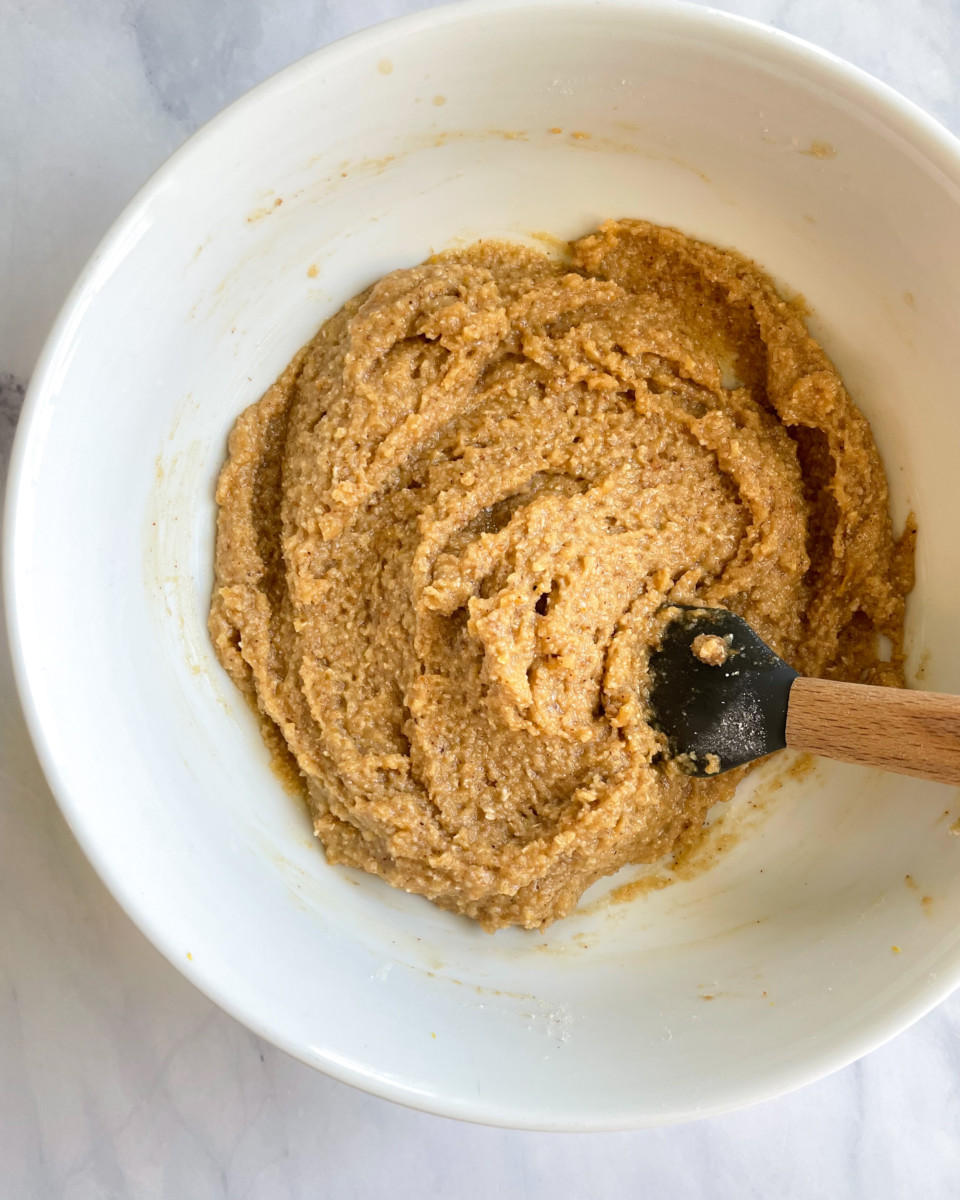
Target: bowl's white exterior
(770, 969)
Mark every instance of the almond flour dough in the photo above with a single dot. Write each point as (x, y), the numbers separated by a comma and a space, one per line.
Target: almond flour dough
(446, 532)
(711, 649)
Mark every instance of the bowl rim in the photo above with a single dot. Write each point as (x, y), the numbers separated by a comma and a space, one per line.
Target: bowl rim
(917, 127)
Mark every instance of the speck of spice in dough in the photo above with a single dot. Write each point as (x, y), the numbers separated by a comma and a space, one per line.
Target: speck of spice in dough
(446, 535)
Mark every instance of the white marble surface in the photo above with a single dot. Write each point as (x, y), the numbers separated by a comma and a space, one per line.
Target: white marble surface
(117, 1079)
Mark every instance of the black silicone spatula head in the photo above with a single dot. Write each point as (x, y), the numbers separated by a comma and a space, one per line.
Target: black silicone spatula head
(718, 692)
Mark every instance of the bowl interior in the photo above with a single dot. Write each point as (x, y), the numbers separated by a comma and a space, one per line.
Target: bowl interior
(829, 919)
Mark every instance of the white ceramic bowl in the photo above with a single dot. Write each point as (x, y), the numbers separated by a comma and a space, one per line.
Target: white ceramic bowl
(768, 970)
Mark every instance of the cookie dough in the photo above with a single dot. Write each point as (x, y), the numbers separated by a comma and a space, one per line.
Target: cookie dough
(711, 649)
(445, 535)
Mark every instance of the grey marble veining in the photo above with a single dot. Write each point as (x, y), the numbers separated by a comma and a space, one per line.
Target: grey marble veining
(117, 1079)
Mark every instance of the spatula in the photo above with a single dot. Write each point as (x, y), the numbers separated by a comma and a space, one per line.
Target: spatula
(723, 698)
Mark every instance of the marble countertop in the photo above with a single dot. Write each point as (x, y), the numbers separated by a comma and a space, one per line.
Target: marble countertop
(118, 1081)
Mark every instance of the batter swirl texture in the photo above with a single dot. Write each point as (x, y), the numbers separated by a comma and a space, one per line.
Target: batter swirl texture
(446, 532)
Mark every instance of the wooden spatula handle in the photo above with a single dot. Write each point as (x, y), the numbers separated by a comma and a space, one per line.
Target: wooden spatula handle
(913, 733)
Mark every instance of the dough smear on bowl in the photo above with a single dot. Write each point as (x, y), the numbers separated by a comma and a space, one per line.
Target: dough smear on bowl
(446, 533)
